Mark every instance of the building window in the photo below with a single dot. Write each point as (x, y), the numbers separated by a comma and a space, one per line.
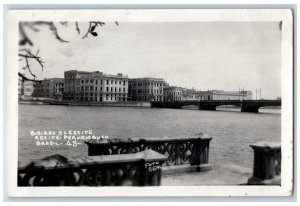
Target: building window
(123, 89)
(107, 82)
(119, 82)
(107, 89)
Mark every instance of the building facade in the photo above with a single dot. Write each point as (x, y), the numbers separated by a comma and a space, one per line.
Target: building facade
(173, 93)
(30, 89)
(225, 95)
(99, 87)
(190, 95)
(146, 89)
(50, 88)
(27, 88)
(71, 79)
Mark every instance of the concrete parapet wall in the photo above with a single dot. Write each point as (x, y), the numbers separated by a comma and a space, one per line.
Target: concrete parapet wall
(140, 169)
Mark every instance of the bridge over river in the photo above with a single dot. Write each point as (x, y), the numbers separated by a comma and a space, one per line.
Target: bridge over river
(245, 105)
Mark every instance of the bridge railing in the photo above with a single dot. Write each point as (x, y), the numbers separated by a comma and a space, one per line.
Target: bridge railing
(191, 150)
(140, 169)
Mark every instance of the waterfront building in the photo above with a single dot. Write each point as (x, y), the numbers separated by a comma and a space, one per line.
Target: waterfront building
(190, 95)
(57, 88)
(27, 88)
(173, 93)
(225, 95)
(71, 77)
(146, 89)
(51, 88)
(30, 89)
(99, 87)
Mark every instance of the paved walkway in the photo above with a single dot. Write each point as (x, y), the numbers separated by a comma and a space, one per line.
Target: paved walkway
(219, 175)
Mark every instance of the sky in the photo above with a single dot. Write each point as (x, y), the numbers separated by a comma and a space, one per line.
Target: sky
(200, 55)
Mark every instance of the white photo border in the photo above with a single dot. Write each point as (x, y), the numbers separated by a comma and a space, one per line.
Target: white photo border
(144, 15)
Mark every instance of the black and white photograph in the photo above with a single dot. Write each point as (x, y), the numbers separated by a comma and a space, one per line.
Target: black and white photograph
(150, 99)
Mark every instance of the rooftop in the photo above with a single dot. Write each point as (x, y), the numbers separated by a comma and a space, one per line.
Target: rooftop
(173, 87)
(55, 78)
(147, 79)
(86, 74)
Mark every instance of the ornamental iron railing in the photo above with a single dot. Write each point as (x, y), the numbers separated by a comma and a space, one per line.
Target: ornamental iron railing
(193, 150)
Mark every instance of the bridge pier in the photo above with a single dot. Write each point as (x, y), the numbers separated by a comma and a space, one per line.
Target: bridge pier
(249, 109)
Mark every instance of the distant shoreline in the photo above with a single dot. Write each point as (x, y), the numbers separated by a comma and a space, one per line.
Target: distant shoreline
(116, 104)
(67, 103)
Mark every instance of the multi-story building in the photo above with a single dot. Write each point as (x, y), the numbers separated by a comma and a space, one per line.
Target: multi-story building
(146, 89)
(190, 94)
(51, 88)
(225, 95)
(99, 87)
(173, 93)
(30, 89)
(72, 78)
(27, 88)
(57, 88)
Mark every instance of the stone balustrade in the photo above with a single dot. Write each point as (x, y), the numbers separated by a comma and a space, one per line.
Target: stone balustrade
(188, 150)
(267, 163)
(140, 169)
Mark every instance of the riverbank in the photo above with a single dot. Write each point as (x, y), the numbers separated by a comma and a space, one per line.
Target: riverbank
(102, 104)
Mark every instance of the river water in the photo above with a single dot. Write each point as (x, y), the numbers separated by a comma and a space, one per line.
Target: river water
(232, 131)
